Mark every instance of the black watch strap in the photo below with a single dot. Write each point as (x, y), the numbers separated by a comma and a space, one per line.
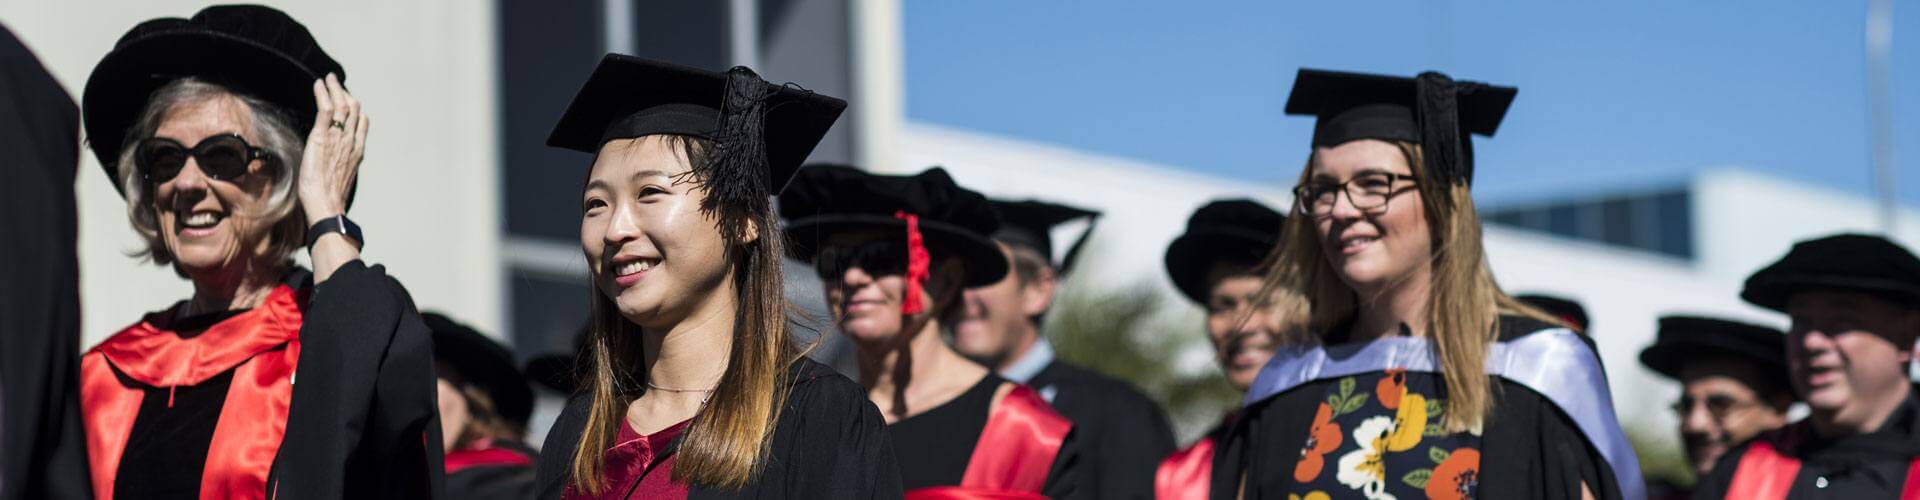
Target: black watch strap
(335, 224)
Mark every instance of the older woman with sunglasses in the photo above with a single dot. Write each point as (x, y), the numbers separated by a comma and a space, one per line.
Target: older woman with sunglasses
(199, 399)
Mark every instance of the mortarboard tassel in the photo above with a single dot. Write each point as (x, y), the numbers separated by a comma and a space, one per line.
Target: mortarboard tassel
(738, 173)
(917, 262)
(1439, 117)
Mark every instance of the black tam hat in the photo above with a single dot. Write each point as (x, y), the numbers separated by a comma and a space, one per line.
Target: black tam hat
(1692, 338)
(1030, 223)
(1237, 232)
(1856, 262)
(828, 199)
(1566, 309)
(762, 132)
(250, 49)
(1432, 110)
(478, 360)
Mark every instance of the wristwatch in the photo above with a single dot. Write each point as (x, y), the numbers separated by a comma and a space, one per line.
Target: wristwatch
(336, 224)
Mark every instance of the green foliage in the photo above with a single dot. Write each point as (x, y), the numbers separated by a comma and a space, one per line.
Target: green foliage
(1127, 334)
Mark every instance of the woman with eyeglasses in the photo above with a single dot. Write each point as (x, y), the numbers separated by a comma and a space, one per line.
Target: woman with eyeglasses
(235, 144)
(894, 254)
(691, 384)
(1417, 377)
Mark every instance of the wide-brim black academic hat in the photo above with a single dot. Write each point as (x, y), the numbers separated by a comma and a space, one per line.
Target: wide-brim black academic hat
(1691, 338)
(1031, 222)
(825, 200)
(775, 126)
(1855, 262)
(1566, 309)
(1237, 232)
(254, 50)
(1431, 109)
(484, 363)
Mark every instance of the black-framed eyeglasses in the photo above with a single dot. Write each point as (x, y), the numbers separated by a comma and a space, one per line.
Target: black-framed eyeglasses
(1718, 405)
(222, 157)
(877, 258)
(1367, 192)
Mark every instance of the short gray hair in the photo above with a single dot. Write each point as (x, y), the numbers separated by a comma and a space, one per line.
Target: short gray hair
(273, 124)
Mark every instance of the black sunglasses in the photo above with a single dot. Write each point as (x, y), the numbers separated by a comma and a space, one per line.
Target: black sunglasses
(222, 157)
(877, 258)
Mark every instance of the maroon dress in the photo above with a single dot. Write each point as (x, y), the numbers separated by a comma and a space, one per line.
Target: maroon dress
(639, 466)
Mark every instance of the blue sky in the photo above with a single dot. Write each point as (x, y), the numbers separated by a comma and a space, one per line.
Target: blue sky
(1612, 93)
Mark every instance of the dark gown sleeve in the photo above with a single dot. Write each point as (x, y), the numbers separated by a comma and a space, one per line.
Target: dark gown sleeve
(363, 421)
(1715, 484)
(1066, 479)
(491, 483)
(42, 451)
(1135, 439)
(832, 443)
(554, 466)
(1263, 445)
(1531, 449)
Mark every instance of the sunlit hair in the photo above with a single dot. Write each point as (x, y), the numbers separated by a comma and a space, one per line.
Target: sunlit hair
(1463, 303)
(726, 445)
(272, 126)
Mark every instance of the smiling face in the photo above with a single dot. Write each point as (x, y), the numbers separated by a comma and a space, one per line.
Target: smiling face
(1848, 351)
(211, 226)
(1373, 248)
(997, 319)
(652, 250)
(1721, 407)
(1243, 336)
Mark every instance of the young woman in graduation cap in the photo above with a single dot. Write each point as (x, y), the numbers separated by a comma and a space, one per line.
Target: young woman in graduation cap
(693, 386)
(895, 254)
(236, 144)
(1417, 376)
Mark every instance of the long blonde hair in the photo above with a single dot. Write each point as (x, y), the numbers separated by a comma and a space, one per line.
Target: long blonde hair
(1463, 303)
(725, 446)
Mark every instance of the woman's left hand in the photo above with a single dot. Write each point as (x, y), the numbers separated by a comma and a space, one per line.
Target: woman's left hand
(334, 150)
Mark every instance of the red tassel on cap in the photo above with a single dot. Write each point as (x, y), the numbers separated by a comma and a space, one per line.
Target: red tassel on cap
(917, 262)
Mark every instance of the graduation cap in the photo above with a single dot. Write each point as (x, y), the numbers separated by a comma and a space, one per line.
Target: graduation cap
(1566, 309)
(1030, 223)
(480, 361)
(828, 199)
(1693, 338)
(1432, 110)
(1235, 232)
(1857, 262)
(763, 131)
(250, 49)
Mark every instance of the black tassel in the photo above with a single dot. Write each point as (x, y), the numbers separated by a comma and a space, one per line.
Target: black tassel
(1439, 117)
(737, 175)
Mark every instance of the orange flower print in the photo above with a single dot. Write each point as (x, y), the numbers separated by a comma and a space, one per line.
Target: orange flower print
(1457, 477)
(1323, 438)
(1311, 495)
(1391, 387)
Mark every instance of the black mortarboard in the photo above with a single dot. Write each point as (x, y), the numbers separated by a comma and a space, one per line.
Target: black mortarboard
(1564, 308)
(1431, 110)
(828, 199)
(763, 131)
(560, 371)
(1237, 232)
(250, 49)
(1857, 262)
(1031, 222)
(480, 361)
(1690, 338)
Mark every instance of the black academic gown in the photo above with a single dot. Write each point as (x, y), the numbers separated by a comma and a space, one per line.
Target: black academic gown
(1872, 465)
(830, 443)
(1530, 449)
(363, 422)
(42, 450)
(1123, 433)
(943, 439)
(495, 481)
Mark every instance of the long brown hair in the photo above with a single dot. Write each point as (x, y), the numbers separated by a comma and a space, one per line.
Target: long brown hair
(725, 446)
(1463, 302)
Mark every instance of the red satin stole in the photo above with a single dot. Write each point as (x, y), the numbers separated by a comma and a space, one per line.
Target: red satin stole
(1766, 473)
(1184, 475)
(263, 343)
(485, 455)
(1014, 454)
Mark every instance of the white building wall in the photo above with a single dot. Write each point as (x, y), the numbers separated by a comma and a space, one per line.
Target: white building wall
(1745, 220)
(428, 196)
